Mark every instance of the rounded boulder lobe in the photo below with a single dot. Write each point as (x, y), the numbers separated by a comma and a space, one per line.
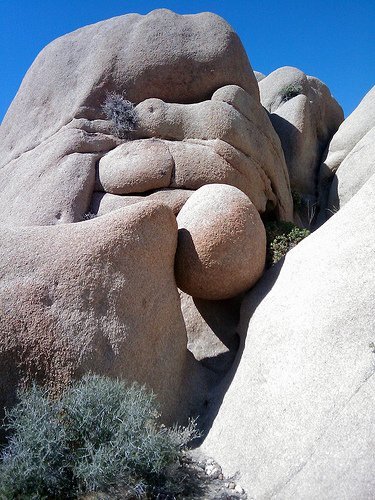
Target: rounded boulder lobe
(221, 247)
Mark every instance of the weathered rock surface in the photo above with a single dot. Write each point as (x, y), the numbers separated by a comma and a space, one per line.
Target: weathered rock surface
(231, 116)
(136, 167)
(298, 419)
(355, 170)
(103, 203)
(53, 182)
(351, 131)
(162, 54)
(95, 296)
(305, 116)
(211, 327)
(221, 243)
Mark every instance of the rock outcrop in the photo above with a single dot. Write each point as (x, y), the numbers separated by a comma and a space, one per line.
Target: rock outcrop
(350, 133)
(221, 248)
(297, 420)
(211, 327)
(305, 116)
(91, 253)
(67, 85)
(98, 296)
(354, 171)
(162, 54)
(227, 139)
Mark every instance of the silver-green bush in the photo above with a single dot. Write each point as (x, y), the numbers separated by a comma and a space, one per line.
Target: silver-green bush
(100, 435)
(121, 114)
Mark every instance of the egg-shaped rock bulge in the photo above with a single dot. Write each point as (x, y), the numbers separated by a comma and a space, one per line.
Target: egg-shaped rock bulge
(221, 247)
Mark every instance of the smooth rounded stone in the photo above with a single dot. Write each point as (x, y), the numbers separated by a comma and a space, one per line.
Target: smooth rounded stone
(351, 131)
(97, 296)
(198, 162)
(232, 116)
(178, 58)
(103, 203)
(221, 243)
(175, 199)
(305, 116)
(355, 170)
(136, 167)
(297, 420)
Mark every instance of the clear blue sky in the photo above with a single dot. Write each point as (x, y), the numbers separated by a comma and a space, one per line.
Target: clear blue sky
(333, 40)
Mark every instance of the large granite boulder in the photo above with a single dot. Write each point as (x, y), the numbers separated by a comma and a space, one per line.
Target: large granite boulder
(298, 418)
(53, 182)
(162, 54)
(194, 90)
(354, 171)
(305, 116)
(221, 249)
(351, 131)
(97, 296)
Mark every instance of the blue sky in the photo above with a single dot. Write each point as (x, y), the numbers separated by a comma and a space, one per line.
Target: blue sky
(332, 40)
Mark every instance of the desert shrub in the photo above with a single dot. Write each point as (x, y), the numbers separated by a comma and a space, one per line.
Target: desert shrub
(282, 236)
(297, 200)
(290, 91)
(33, 464)
(101, 435)
(121, 113)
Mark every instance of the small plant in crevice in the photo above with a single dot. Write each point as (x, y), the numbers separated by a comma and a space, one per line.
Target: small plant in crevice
(121, 113)
(89, 216)
(282, 236)
(100, 436)
(290, 91)
(297, 200)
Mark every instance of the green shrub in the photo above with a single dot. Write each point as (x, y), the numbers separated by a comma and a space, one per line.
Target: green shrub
(291, 91)
(100, 436)
(297, 200)
(282, 236)
(121, 113)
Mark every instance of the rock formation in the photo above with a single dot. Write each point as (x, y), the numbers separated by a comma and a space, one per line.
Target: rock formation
(297, 420)
(356, 168)
(221, 243)
(350, 133)
(305, 116)
(139, 156)
(95, 296)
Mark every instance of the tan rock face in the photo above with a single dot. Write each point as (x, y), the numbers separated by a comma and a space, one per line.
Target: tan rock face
(305, 116)
(201, 133)
(227, 139)
(103, 203)
(298, 419)
(53, 183)
(95, 296)
(136, 167)
(354, 171)
(165, 55)
(350, 133)
(193, 84)
(211, 327)
(221, 244)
